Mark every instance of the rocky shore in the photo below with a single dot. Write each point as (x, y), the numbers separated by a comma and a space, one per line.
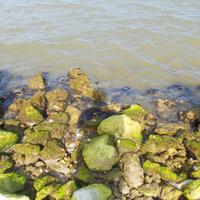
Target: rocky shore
(67, 143)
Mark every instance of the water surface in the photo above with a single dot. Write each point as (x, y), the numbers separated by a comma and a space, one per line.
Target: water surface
(146, 43)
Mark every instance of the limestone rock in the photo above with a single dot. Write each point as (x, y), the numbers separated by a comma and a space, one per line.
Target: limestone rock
(37, 82)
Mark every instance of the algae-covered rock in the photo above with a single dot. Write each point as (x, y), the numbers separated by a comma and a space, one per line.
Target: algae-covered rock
(170, 193)
(192, 190)
(91, 192)
(56, 130)
(52, 151)
(131, 170)
(12, 182)
(6, 196)
(170, 128)
(150, 190)
(164, 172)
(57, 100)
(5, 164)
(80, 83)
(100, 154)
(65, 191)
(84, 174)
(194, 147)
(135, 112)
(126, 145)
(37, 82)
(36, 137)
(29, 115)
(74, 114)
(16, 105)
(26, 153)
(196, 171)
(41, 182)
(7, 139)
(60, 117)
(121, 126)
(12, 125)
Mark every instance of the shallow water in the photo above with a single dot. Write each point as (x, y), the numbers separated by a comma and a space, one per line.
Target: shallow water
(142, 43)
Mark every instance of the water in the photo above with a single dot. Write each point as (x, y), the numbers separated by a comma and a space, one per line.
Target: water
(142, 44)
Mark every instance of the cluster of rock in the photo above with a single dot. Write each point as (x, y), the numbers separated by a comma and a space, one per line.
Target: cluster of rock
(48, 152)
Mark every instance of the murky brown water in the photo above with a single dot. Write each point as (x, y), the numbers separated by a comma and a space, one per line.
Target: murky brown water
(142, 43)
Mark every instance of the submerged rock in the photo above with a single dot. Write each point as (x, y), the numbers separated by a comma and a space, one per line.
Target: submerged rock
(164, 172)
(100, 154)
(37, 82)
(192, 190)
(91, 192)
(60, 117)
(12, 182)
(131, 170)
(57, 99)
(121, 126)
(29, 115)
(7, 139)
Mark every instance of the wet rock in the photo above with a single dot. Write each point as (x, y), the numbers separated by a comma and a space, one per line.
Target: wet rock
(13, 125)
(190, 116)
(114, 108)
(170, 128)
(164, 172)
(150, 190)
(131, 170)
(36, 137)
(65, 191)
(105, 155)
(60, 117)
(91, 192)
(194, 147)
(16, 105)
(74, 114)
(7, 139)
(196, 171)
(5, 196)
(12, 182)
(26, 154)
(56, 130)
(170, 193)
(84, 174)
(125, 146)
(80, 83)
(192, 190)
(164, 104)
(57, 100)
(5, 164)
(29, 115)
(136, 113)
(52, 151)
(37, 82)
(121, 126)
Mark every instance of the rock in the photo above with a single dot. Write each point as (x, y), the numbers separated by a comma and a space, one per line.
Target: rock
(37, 82)
(136, 113)
(60, 117)
(12, 182)
(196, 172)
(105, 153)
(121, 126)
(123, 187)
(164, 104)
(7, 139)
(5, 196)
(65, 191)
(84, 174)
(26, 154)
(74, 114)
(13, 125)
(194, 147)
(150, 190)
(131, 170)
(91, 192)
(170, 193)
(170, 128)
(41, 182)
(52, 151)
(125, 146)
(16, 106)
(114, 108)
(192, 190)
(80, 83)
(190, 116)
(164, 172)
(36, 137)
(29, 115)
(5, 164)
(57, 100)
(56, 130)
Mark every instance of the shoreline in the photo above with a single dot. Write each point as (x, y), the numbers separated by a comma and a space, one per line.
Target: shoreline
(72, 137)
